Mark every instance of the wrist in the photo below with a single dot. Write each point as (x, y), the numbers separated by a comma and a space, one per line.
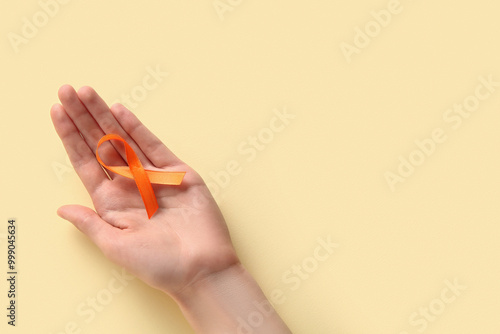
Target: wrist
(208, 282)
(228, 301)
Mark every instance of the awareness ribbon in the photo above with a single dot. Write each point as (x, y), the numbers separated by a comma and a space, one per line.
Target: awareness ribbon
(142, 177)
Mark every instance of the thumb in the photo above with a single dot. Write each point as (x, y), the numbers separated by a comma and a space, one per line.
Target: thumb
(90, 223)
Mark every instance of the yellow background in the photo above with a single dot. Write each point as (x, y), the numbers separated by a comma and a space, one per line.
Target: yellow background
(323, 175)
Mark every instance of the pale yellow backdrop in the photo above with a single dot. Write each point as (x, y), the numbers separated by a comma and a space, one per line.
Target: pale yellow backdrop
(370, 88)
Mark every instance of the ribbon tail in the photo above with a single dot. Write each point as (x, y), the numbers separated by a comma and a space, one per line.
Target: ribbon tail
(142, 181)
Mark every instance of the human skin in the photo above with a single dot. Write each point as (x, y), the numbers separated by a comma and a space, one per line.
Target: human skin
(185, 249)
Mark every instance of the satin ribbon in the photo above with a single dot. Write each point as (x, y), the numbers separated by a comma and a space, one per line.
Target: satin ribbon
(142, 177)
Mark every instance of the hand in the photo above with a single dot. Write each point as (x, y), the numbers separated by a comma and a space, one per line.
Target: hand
(184, 249)
(184, 242)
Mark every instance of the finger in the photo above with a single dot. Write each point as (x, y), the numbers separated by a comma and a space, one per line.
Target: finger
(101, 113)
(152, 147)
(81, 156)
(90, 223)
(87, 125)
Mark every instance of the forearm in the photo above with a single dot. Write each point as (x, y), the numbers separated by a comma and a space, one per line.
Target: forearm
(229, 301)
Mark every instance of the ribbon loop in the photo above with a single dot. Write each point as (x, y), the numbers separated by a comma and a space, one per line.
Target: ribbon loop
(142, 177)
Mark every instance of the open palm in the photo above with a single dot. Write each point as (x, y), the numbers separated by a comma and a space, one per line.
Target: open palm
(187, 238)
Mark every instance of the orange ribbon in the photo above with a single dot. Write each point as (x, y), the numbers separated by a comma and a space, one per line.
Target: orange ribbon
(143, 178)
